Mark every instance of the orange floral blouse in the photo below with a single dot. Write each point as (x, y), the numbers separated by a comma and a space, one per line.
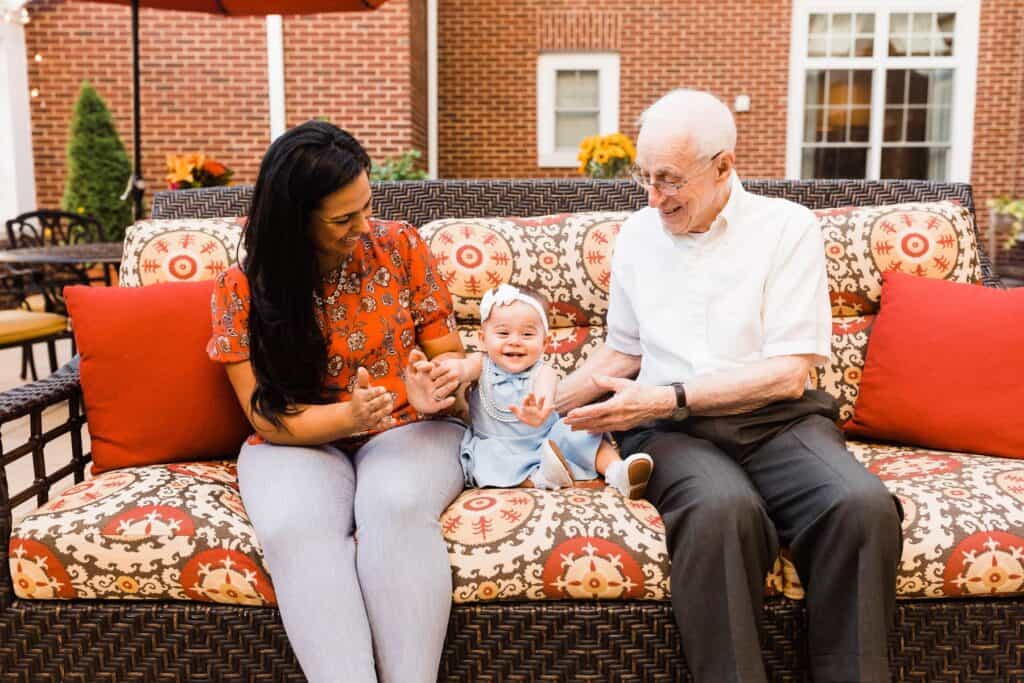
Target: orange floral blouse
(372, 310)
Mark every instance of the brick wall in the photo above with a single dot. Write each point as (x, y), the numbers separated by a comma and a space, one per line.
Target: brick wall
(355, 70)
(488, 66)
(997, 167)
(204, 81)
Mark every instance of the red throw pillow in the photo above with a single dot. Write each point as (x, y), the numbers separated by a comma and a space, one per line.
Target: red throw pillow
(944, 368)
(151, 393)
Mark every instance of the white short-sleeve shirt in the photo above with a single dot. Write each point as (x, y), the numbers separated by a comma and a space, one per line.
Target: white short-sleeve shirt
(751, 287)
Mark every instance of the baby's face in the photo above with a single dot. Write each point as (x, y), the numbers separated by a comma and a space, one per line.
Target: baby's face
(513, 336)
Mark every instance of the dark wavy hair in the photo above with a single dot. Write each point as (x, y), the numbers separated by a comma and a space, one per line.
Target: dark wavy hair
(287, 350)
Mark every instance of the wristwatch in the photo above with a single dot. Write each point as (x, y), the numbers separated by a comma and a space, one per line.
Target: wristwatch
(682, 411)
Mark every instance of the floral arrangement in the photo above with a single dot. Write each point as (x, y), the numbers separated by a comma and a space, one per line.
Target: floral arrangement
(195, 170)
(606, 156)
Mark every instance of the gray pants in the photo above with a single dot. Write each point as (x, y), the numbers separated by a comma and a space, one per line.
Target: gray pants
(393, 589)
(729, 490)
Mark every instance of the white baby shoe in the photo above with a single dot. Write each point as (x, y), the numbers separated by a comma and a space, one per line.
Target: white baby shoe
(630, 476)
(553, 473)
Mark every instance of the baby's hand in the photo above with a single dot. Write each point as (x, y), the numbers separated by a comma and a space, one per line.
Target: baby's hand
(533, 411)
(427, 388)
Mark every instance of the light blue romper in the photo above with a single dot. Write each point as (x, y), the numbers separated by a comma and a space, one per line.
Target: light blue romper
(496, 452)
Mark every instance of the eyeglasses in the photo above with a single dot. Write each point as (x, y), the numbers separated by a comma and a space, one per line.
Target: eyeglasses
(665, 187)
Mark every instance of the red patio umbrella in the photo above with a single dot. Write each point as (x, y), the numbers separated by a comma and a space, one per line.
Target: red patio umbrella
(234, 8)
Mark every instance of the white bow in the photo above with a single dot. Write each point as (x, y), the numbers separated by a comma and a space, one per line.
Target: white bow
(505, 294)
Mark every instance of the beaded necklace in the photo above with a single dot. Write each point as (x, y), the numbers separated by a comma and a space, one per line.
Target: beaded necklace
(487, 399)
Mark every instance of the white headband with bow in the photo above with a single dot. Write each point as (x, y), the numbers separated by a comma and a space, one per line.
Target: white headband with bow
(505, 294)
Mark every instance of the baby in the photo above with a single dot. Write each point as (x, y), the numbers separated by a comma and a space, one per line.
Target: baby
(515, 437)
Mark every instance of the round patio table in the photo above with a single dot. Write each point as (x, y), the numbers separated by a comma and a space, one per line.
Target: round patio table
(65, 254)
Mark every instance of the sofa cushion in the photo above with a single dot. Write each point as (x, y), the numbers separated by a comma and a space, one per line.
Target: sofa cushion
(180, 532)
(176, 532)
(565, 257)
(180, 250)
(945, 376)
(927, 239)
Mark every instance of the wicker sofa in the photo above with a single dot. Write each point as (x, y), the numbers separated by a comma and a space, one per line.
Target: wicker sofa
(966, 638)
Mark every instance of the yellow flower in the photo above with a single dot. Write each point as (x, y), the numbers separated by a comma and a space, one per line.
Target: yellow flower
(81, 209)
(180, 168)
(601, 156)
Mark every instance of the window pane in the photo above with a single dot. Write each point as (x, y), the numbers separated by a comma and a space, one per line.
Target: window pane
(947, 22)
(941, 88)
(816, 47)
(837, 121)
(838, 87)
(898, 23)
(898, 46)
(916, 125)
(895, 80)
(922, 23)
(918, 91)
(841, 23)
(942, 46)
(914, 163)
(939, 124)
(861, 93)
(920, 46)
(814, 88)
(893, 131)
(860, 124)
(818, 24)
(865, 23)
(813, 125)
(571, 128)
(576, 90)
(842, 44)
(835, 162)
(864, 47)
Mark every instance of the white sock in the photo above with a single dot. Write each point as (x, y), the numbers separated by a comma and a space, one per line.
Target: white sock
(616, 476)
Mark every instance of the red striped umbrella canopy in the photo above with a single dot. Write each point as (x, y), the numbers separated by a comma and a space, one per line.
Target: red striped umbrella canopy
(249, 8)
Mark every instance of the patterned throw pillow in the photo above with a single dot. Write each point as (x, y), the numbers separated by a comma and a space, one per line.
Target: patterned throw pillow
(180, 250)
(927, 239)
(566, 257)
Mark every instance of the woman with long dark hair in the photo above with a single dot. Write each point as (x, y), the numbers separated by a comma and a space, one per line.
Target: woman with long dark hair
(316, 328)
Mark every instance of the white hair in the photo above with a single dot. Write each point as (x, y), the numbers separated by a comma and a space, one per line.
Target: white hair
(694, 116)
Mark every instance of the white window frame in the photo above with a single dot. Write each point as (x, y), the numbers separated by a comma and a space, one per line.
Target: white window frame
(964, 64)
(548, 64)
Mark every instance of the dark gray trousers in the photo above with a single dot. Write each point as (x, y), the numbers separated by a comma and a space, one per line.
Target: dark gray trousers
(730, 490)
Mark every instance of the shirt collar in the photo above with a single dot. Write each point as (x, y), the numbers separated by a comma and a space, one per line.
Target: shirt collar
(733, 205)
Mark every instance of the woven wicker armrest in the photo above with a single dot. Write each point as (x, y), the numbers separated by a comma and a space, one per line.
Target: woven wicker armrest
(30, 401)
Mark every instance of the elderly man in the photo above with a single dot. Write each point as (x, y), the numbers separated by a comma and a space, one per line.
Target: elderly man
(719, 301)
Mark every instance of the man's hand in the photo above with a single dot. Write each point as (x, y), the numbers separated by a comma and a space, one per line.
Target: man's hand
(371, 406)
(429, 385)
(533, 411)
(632, 404)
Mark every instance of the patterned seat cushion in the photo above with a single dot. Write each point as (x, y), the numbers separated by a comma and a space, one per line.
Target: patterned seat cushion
(175, 532)
(180, 532)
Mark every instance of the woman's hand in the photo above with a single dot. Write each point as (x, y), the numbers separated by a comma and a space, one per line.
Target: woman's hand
(370, 406)
(429, 384)
(534, 411)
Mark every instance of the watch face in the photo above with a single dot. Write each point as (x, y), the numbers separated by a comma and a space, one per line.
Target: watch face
(681, 413)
